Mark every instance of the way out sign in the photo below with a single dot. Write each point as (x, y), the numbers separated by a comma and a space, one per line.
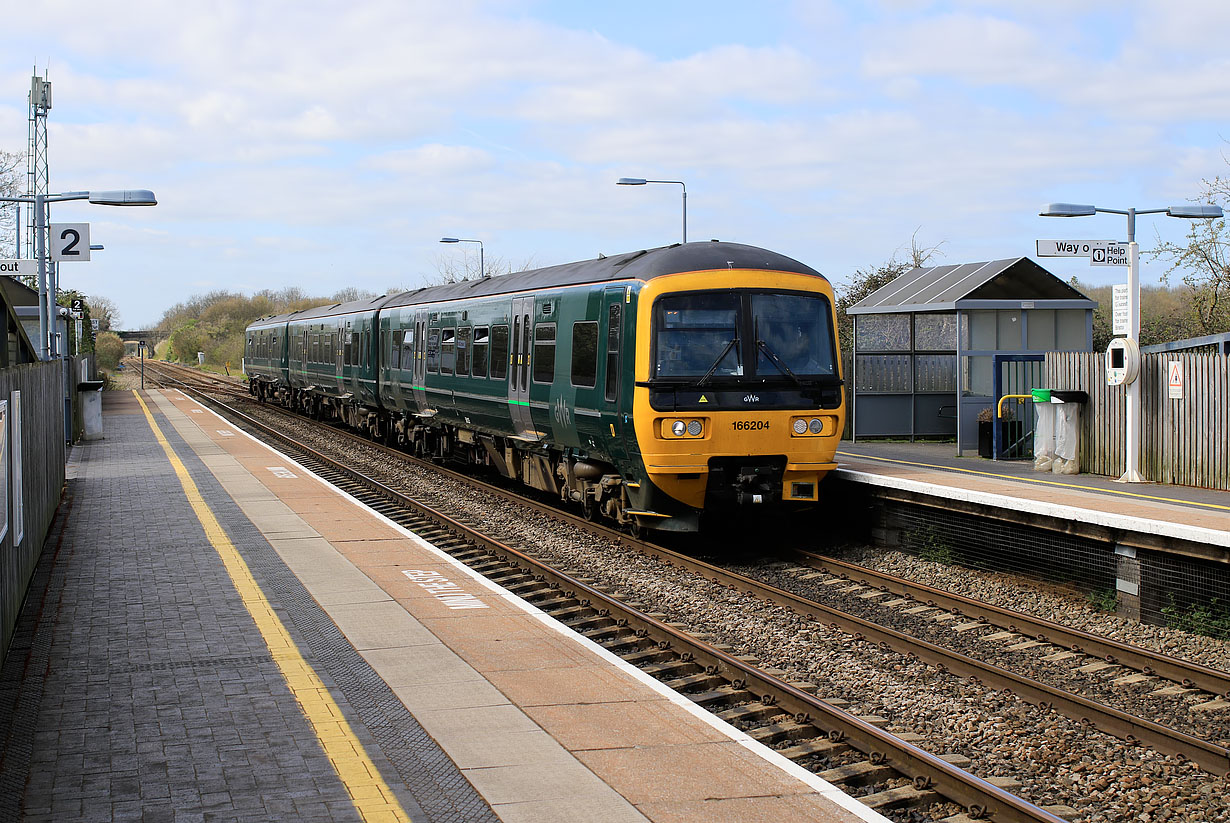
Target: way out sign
(1174, 374)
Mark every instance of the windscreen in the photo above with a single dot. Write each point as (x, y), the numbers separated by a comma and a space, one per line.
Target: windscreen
(781, 334)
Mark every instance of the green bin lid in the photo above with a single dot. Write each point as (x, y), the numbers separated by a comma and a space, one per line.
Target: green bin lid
(1041, 395)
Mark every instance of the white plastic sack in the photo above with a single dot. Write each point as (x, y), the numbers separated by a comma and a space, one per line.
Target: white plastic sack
(1067, 439)
(1044, 437)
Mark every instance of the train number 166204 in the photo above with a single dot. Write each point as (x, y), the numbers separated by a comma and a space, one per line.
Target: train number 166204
(749, 425)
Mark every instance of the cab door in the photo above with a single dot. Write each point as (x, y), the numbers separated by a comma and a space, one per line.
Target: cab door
(616, 349)
(519, 368)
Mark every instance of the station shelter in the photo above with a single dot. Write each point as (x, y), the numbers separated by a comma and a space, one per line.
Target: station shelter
(939, 345)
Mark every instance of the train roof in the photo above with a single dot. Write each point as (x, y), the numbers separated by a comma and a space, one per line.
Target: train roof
(638, 265)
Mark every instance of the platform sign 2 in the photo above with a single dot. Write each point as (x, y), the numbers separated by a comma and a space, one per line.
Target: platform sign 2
(70, 241)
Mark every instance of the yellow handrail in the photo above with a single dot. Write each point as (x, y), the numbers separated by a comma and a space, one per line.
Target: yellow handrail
(1020, 398)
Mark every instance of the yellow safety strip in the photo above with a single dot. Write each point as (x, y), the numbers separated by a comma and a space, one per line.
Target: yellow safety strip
(372, 797)
(1040, 482)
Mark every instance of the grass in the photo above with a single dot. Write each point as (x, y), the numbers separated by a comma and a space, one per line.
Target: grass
(932, 547)
(1104, 600)
(1210, 620)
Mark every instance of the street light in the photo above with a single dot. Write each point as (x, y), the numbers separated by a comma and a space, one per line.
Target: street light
(122, 197)
(640, 181)
(482, 269)
(1131, 472)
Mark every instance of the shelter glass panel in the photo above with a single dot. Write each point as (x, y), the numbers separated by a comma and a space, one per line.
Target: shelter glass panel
(978, 331)
(883, 372)
(935, 372)
(935, 332)
(883, 332)
(1071, 330)
(977, 377)
(1041, 332)
(1009, 324)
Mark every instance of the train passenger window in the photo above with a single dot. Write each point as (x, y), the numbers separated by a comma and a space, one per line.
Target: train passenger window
(395, 360)
(448, 350)
(499, 352)
(348, 348)
(463, 350)
(433, 351)
(612, 351)
(544, 353)
(315, 353)
(585, 354)
(478, 360)
(407, 355)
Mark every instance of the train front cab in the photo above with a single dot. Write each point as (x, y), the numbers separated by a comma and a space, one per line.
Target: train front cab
(738, 399)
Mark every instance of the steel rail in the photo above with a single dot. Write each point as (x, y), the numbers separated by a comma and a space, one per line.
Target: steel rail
(979, 797)
(1112, 651)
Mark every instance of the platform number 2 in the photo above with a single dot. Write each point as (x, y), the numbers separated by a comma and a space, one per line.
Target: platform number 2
(70, 241)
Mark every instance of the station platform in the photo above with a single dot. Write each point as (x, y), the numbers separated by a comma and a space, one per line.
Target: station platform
(214, 633)
(1199, 517)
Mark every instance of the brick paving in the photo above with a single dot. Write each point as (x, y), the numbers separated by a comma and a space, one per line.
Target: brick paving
(139, 689)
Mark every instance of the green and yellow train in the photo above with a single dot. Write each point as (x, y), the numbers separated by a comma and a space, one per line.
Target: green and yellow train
(647, 387)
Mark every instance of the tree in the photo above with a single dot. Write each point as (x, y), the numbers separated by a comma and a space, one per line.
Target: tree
(10, 177)
(1203, 263)
(867, 280)
(449, 269)
(104, 310)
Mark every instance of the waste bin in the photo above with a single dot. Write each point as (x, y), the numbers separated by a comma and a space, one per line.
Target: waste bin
(1057, 431)
(90, 394)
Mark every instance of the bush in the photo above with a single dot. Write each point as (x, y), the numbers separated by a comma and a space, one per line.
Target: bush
(108, 350)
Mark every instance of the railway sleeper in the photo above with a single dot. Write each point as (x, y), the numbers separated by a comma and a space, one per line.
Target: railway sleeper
(723, 695)
(789, 729)
(821, 746)
(750, 712)
(653, 656)
(896, 798)
(593, 621)
(672, 669)
(693, 681)
(625, 642)
(860, 773)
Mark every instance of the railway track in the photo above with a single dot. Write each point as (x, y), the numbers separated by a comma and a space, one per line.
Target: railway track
(885, 771)
(694, 669)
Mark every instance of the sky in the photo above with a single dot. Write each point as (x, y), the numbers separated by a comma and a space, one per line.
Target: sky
(328, 145)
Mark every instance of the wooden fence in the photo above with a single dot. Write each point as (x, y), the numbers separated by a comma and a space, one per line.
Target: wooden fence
(1183, 441)
(34, 469)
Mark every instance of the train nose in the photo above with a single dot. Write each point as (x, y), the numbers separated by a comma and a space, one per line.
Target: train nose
(757, 484)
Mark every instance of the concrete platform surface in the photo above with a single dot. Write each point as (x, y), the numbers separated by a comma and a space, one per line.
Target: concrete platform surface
(215, 633)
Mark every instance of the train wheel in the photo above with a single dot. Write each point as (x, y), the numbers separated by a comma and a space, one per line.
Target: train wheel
(589, 508)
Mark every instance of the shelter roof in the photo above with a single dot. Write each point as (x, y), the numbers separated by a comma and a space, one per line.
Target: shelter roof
(940, 288)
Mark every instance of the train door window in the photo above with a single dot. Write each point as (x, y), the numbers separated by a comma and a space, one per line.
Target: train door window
(365, 352)
(478, 359)
(395, 360)
(433, 351)
(314, 350)
(463, 350)
(544, 353)
(585, 354)
(612, 351)
(516, 350)
(525, 350)
(499, 352)
(448, 348)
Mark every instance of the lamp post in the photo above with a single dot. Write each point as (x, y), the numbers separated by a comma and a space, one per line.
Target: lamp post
(124, 197)
(482, 267)
(640, 181)
(1131, 473)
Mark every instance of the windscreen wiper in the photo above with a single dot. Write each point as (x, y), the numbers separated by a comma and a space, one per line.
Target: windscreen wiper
(773, 358)
(734, 341)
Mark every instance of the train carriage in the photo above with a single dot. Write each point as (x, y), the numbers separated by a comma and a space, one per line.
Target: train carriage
(648, 387)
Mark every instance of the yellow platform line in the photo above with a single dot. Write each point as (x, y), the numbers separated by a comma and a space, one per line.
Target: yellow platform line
(372, 797)
(1158, 498)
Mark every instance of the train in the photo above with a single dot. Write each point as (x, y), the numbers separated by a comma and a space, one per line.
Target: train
(653, 388)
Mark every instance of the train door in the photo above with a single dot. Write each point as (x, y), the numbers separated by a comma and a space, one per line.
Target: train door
(614, 311)
(519, 368)
(419, 377)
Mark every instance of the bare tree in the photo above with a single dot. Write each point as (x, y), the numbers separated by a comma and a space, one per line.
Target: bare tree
(864, 281)
(1202, 261)
(450, 269)
(104, 310)
(10, 177)
(351, 293)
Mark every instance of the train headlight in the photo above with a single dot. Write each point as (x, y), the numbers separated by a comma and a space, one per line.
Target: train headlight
(800, 426)
(815, 426)
(694, 428)
(678, 428)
